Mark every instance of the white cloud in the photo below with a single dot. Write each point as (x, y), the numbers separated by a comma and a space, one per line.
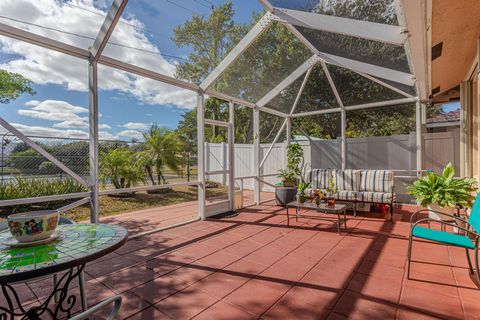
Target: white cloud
(130, 134)
(80, 124)
(136, 126)
(50, 132)
(48, 67)
(104, 126)
(56, 110)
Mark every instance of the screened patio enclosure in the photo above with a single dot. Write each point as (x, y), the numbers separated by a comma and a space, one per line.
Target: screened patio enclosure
(301, 59)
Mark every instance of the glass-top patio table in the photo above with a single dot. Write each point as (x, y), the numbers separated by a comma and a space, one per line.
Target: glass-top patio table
(76, 245)
(337, 209)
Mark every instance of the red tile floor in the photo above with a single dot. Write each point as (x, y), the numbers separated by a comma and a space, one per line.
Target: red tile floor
(253, 266)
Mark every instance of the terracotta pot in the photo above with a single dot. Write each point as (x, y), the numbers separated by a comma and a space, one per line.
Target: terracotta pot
(440, 216)
(330, 201)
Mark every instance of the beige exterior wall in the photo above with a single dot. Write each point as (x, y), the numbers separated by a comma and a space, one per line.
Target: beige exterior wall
(475, 147)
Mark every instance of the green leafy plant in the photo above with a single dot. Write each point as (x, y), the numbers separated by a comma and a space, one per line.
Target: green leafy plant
(444, 190)
(28, 188)
(289, 178)
(302, 186)
(290, 175)
(121, 167)
(162, 149)
(332, 188)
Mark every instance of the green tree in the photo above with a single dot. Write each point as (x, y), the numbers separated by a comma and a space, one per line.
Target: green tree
(277, 52)
(162, 149)
(13, 85)
(121, 167)
(211, 38)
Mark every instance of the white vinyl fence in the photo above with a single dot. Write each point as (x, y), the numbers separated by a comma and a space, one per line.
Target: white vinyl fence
(391, 152)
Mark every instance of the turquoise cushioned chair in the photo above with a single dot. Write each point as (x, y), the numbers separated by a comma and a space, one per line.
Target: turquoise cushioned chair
(469, 240)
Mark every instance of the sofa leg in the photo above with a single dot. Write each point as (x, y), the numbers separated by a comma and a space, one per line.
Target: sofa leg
(354, 209)
(391, 212)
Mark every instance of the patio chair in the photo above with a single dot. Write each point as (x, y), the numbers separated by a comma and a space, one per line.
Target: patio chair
(117, 300)
(469, 240)
(81, 277)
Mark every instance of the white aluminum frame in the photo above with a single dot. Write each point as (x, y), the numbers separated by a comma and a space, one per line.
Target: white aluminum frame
(42, 151)
(107, 28)
(355, 28)
(288, 81)
(412, 15)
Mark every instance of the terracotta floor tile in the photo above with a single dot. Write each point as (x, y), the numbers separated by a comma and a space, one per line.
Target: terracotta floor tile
(256, 297)
(409, 314)
(431, 301)
(159, 289)
(186, 304)
(219, 260)
(220, 284)
(131, 304)
(150, 313)
(246, 268)
(472, 309)
(197, 250)
(108, 266)
(375, 267)
(192, 273)
(127, 279)
(291, 306)
(378, 285)
(356, 306)
(224, 311)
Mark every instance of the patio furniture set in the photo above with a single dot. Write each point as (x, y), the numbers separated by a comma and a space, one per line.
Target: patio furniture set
(353, 186)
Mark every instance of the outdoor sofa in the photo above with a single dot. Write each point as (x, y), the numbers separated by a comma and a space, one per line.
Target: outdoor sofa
(356, 186)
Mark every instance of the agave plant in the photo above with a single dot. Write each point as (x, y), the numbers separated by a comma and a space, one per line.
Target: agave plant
(444, 190)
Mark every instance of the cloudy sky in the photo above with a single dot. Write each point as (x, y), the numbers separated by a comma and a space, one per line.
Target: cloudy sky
(128, 104)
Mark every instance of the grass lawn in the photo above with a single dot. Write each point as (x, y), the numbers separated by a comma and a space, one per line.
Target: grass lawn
(113, 205)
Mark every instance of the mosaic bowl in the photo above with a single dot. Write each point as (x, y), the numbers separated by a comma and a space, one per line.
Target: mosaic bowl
(33, 226)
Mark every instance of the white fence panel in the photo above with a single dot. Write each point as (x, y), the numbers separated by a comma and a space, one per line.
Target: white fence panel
(393, 152)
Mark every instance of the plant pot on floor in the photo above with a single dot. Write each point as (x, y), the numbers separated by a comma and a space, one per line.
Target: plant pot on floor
(439, 210)
(284, 195)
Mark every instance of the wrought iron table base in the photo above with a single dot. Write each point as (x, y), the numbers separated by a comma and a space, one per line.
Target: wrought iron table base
(63, 302)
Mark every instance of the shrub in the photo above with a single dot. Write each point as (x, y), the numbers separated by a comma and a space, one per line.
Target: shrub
(18, 188)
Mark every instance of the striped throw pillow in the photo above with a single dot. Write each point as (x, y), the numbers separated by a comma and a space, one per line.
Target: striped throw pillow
(377, 181)
(347, 179)
(319, 178)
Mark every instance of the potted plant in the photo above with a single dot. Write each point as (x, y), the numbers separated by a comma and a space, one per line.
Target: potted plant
(331, 191)
(443, 193)
(287, 190)
(317, 196)
(302, 186)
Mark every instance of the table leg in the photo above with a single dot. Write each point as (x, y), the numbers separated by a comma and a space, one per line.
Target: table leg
(338, 222)
(65, 304)
(288, 218)
(296, 213)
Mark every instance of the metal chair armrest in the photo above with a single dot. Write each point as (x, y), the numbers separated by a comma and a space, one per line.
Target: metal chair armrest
(446, 214)
(445, 223)
(117, 300)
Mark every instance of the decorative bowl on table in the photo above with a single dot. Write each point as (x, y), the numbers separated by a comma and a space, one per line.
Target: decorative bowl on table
(33, 226)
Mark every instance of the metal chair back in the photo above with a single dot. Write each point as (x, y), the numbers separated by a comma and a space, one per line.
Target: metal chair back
(474, 218)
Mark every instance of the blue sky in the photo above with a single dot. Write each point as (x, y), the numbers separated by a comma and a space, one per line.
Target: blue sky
(127, 103)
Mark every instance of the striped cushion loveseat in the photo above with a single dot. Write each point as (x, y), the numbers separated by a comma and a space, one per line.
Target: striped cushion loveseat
(365, 186)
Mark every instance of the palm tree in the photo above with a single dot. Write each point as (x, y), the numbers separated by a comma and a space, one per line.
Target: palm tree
(121, 167)
(162, 148)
